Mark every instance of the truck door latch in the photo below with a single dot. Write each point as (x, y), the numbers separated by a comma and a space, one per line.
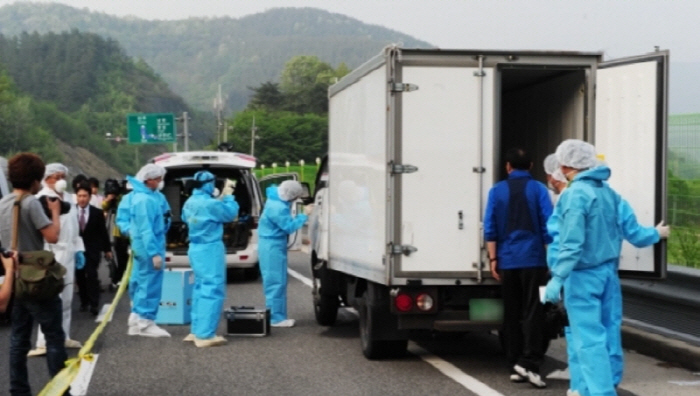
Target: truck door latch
(399, 169)
(403, 249)
(403, 87)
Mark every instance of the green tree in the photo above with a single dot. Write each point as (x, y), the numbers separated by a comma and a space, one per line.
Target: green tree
(266, 97)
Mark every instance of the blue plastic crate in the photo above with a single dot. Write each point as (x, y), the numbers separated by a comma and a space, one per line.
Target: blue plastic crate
(176, 298)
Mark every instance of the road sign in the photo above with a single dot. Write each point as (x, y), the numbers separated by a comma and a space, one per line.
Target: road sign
(151, 128)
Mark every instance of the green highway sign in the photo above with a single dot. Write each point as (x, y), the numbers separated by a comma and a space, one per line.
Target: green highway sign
(151, 128)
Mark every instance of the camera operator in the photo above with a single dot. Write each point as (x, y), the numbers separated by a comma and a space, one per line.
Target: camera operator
(69, 250)
(114, 191)
(25, 174)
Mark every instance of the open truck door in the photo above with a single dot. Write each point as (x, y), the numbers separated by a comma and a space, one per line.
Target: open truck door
(631, 113)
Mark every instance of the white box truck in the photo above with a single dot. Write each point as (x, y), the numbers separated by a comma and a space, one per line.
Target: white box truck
(416, 139)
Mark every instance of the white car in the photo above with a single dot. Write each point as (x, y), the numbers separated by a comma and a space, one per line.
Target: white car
(241, 235)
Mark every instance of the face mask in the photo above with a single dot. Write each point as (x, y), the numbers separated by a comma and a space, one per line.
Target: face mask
(161, 184)
(216, 192)
(60, 186)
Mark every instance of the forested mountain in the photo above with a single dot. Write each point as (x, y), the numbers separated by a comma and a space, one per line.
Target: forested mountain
(74, 88)
(195, 55)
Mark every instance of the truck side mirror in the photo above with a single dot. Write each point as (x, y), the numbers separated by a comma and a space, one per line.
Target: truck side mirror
(306, 197)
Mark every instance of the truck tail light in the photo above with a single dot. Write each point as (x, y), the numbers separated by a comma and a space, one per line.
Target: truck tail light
(243, 257)
(403, 302)
(254, 223)
(424, 302)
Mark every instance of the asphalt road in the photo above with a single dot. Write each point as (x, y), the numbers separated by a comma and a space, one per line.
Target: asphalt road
(312, 360)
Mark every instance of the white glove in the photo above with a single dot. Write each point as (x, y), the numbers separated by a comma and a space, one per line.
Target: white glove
(228, 189)
(663, 230)
(157, 262)
(308, 209)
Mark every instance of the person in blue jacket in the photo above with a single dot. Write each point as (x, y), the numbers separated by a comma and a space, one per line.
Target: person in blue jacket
(634, 233)
(276, 223)
(586, 264)
(516, 237)
(205, 216)
(148, 223)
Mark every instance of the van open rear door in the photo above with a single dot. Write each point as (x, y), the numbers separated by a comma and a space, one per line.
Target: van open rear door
(631, 112)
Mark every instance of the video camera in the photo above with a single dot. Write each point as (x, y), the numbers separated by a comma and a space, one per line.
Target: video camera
(113, 186)
(44, 199)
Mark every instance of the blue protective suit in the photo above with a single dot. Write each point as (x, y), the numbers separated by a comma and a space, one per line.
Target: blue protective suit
(147, 229)
(276, 223)
(205, 217)
(631, 231)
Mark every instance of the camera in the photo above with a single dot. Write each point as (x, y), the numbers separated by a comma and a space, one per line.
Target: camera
(112, 186)
(44, 199)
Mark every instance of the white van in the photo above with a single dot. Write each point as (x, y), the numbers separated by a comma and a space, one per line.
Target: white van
(241, 235)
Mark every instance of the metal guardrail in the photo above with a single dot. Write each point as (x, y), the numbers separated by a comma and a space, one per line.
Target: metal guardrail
(669, 307)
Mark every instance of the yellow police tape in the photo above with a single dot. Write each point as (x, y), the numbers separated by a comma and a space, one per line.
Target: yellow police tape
(60, 383)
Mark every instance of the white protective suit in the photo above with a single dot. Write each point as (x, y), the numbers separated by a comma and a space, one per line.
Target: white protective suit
(69, 242)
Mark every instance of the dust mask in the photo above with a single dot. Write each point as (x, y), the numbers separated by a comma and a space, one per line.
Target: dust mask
(216, 193)
(60, 186)
(161, 184)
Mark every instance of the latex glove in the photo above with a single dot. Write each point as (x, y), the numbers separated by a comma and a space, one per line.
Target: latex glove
(157, 262)
(663, 230)
(228, 189)
(308, 209)
(552, 292)
(79, 260)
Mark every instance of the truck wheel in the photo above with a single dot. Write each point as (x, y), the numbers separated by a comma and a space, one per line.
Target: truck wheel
(325, 309)
(325, 304)
(372, 348)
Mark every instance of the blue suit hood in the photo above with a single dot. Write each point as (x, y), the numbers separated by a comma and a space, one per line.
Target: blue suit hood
(272, 194)
(599, 173)
(137, 185)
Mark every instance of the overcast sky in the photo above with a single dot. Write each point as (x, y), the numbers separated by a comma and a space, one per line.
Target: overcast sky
(617, 27)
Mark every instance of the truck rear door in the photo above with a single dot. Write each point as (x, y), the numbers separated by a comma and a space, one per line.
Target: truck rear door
(441, 203)
(631, 111)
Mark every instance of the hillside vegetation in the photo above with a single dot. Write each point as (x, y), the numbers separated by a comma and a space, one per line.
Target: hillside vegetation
(74, 88)
(195, 55)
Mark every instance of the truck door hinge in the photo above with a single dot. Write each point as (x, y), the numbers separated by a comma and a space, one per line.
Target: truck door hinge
(399, 169)
(478, 169)
(403, 87)
(403, 249)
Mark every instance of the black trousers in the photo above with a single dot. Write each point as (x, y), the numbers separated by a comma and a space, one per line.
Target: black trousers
(121, 250)
(88, 284)
(523, 316)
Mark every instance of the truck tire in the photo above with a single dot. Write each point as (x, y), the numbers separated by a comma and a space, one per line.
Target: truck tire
(372, 348)
(325, 304)
(326, 309)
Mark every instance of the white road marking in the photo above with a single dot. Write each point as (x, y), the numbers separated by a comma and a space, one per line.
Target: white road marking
(448, 369)
(79, 386)
(451, 371)
(685, 383)
(300, 277)
(102, 314)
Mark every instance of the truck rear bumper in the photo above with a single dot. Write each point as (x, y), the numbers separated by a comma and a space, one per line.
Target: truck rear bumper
(447, 321)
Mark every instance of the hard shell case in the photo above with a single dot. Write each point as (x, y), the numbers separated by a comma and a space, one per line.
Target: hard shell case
(247, 321)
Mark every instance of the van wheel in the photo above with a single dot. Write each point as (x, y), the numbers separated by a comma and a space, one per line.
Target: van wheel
(371, 347)
(252, 273)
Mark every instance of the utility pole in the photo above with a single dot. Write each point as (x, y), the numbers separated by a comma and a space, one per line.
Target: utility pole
(219, 108)
(185, 118)
(253, 129)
